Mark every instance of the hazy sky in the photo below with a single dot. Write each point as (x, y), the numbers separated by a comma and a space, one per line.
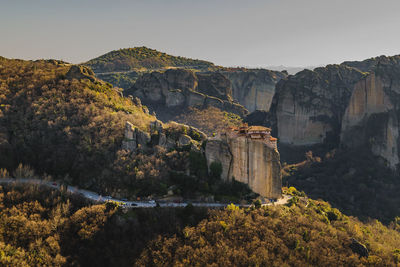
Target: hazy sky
(228, 33)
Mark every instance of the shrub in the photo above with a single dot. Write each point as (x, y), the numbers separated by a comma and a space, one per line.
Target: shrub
(23, 171)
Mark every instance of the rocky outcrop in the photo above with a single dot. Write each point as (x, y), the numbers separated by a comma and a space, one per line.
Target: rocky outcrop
(175, 89)
(308, 107)
(80, 72)
(248, 161)
(170, 136)
(367, 65)
(134, 138)
(253, 88)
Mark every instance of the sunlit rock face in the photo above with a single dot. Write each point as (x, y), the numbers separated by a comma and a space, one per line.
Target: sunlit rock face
(253, 162)
(372, 117)
(308, 107)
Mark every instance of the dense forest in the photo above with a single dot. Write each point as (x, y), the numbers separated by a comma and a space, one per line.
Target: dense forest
(142, 58)
(42, 227)
(355, 181)
(304, 233)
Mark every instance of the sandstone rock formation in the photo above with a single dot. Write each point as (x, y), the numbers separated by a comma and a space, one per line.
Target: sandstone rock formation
(247, 160)
(308, 107)
(372, 116)
(175, 89)
(253, 88)
(351, 105)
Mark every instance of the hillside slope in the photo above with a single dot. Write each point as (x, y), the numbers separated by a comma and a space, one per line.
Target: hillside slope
(309, 233)
(61, 120)
(142, 58)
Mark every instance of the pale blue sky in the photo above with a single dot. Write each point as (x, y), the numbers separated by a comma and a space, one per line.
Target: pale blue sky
(229, 33)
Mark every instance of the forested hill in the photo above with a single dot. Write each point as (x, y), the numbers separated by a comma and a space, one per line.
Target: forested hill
(59, 119)
(142, 58)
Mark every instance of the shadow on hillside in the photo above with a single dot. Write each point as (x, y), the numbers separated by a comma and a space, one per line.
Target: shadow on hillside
(124, 235)
(356, 182)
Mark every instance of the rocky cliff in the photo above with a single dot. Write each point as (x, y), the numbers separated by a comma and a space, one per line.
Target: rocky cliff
(253, 88)
(248, 161)
(170, 91)
(372, 116)
(351, 105)
(308, 107)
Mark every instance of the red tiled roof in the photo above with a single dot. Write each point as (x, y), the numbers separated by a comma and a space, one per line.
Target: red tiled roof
(259, 128)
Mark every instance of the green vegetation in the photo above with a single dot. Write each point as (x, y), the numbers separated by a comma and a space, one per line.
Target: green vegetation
(69, 128)
(142, 58)
(304, 234)
(121, 80)
(356, 182)
(42, 227)
(210, 120)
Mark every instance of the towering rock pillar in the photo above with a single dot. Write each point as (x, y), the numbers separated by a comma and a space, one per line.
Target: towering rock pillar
(371, 120)
(255, 162)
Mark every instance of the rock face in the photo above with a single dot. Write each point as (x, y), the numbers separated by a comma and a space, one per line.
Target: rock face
(134, 138)
(254, 88)
(353, 105)
(214, 84)
(173, 136)
(308, 107)
(179, 88)
(372, 116)
(248, 161)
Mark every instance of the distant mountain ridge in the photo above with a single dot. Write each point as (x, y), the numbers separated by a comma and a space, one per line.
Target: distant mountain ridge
(142, 58)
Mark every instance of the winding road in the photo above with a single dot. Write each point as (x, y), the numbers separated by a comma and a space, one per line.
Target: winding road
(129, 204)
